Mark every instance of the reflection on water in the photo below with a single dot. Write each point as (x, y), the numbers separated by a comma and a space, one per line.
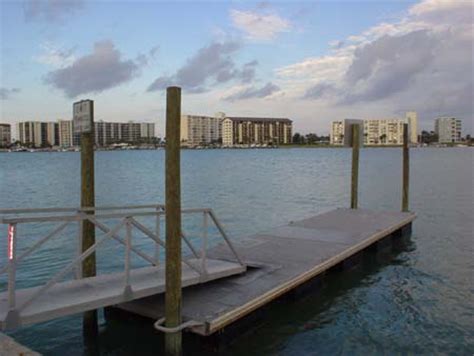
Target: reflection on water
(419, 302)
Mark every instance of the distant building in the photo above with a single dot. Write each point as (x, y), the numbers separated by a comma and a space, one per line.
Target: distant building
(379, 132)
(336, 137)
(67, 137)
(255, 130)
(341, 134)
(62, 133)
(5, 135)
(412, 120)
(38, 134)
(383, 132)
(448, 129)
(200, 130)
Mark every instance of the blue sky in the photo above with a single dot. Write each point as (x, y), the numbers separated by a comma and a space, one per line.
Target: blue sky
(313, 62)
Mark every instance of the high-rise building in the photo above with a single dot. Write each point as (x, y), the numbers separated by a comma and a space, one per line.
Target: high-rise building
(200, 130)
(383, 132)
(448, 129)
(62, 133)
(341, 134)
(256, 130)
(67, 137)
(38, 134)
(412, 120)
(5, 135)
(336, 136)
(379, 131)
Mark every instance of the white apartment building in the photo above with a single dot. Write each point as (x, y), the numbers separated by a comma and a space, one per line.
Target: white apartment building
(336, 136)
(200, 130)
(256, 130)
(412, 120)
(448, 129)
(379, 131)
(67, 137)
(38, 133)
(5, 135)
(383, 132)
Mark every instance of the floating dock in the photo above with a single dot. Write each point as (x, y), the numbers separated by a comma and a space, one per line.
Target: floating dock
(279, 261)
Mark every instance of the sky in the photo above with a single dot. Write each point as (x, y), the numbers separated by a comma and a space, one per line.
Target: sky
(312, 61)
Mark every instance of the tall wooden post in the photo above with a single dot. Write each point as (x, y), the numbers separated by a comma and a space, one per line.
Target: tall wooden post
(406, 169)
(89, 325)
(355, 165)
(173, 221)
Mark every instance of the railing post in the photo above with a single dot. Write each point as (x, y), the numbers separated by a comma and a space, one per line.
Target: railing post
(157, 232)
(355, 166)
(11, 266)
(406, 169)
(128, 247)
(173, 342)
(204, 246)
(12, 319)
(79, 246)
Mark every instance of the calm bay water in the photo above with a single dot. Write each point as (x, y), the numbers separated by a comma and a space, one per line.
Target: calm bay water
(420, 302)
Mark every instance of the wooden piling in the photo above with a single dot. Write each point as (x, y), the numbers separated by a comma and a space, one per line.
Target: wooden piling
(173, 342)
(90, 323)
(355, 165)
(406, 169)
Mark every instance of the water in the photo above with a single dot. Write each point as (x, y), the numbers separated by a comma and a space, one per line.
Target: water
(422, 301)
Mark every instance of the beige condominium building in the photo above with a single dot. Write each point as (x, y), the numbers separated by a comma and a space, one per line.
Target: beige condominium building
(379, 131)
(5, 135)
(199, 130)
(448, 129)
(62, 133)
(256, 130)
(38, 134)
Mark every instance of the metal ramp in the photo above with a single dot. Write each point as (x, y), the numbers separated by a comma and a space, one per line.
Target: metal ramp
(58, 297)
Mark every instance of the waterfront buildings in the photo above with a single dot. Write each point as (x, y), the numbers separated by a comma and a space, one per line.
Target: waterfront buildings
(107, 133)
(379, 131)
(448, 129)
(5, 135)
(67, 137)
(412, 120)
(38, 134)
(256, 130)
(61, 133)
(201, 130)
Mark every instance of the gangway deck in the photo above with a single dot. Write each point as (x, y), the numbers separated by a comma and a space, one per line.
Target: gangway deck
(61, 296)
(77, 296)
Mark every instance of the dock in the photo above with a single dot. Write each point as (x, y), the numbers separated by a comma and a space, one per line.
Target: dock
(278, 260)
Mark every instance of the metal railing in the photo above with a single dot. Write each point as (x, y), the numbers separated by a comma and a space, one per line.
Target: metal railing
(127, 216)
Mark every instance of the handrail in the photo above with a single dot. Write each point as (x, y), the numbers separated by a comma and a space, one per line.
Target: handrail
(102, 216)
(58, 210)
(127, 219)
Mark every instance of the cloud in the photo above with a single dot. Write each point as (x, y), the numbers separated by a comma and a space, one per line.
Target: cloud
(102, 69)
(212, 64)
(252, 92)
(259, 26)
(422, 61)
(50, 10)
(6, 93)
(56, 57)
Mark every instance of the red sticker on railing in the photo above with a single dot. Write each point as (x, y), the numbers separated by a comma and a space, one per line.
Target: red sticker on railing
(11, 236)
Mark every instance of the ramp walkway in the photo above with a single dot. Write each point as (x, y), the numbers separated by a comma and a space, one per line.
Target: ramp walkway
(60, 296)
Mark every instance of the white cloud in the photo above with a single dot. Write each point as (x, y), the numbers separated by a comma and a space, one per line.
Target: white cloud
(54, 56)
(423, 62)
(259, 26)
